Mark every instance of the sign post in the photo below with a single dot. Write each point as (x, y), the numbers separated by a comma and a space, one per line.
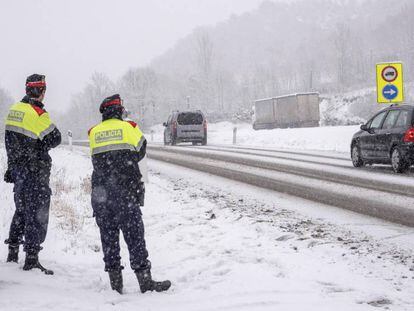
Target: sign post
(390, 83)
(234, 135)
(70, 139)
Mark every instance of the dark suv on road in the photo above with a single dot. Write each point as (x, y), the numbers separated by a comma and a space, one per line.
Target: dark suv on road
(386, 138)
(186, 126)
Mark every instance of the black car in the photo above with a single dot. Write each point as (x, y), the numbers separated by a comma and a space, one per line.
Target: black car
(186, 126)
(387, 138)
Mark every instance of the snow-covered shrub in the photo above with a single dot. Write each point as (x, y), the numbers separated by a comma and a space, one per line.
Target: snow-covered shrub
(86, 185)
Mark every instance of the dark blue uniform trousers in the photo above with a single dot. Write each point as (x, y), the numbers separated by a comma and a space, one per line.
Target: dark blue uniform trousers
(31, 218)
(118, 210)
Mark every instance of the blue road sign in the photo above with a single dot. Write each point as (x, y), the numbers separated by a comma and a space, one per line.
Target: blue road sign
(390, 91)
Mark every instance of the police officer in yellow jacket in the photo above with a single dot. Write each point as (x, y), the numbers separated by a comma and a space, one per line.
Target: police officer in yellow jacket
(29, 136)
(117, 194)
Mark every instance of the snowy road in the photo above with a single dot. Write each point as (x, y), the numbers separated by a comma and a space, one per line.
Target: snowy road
(224, 244)
(322, 165)
(318, 176)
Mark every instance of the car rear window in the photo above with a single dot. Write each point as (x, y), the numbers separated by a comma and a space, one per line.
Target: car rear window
(190, 118)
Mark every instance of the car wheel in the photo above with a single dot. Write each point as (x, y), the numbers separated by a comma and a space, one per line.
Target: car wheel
(399, 164)
(357, 160)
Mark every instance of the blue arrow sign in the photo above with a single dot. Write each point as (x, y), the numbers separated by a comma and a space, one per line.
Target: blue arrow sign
(390, 91)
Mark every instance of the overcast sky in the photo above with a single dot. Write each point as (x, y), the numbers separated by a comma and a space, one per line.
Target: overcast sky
(69, 40)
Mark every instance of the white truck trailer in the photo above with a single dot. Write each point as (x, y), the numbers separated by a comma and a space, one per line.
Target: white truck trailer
(296, 110)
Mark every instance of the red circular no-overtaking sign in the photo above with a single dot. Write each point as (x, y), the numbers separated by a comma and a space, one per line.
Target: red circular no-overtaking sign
(389, 73)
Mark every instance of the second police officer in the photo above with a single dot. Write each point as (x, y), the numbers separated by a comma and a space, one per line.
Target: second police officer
(117, 194)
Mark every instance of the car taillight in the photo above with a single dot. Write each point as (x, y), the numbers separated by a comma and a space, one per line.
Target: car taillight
(174, 127)
(409, 136)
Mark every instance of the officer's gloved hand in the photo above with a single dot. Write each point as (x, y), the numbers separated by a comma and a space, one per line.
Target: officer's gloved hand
(8, 177)
(141, 193)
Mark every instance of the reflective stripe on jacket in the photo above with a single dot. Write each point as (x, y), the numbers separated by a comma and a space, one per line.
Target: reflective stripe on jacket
(29, 120)
(114, 134)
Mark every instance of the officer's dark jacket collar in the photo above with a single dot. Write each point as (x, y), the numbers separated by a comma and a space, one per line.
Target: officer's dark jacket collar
(33, 101)
(112, 114)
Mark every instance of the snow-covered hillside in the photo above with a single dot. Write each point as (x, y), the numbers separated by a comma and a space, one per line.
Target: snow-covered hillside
(355, 107)
(224, 245)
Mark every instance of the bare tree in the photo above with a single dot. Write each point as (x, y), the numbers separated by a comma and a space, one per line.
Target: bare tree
(203, 77)
(140, 91)
(342, 37)
(204, 52)
(84, 106)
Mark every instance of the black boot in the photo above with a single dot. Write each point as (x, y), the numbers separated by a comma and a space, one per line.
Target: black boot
(146, 283)
(115, 277)
(32, 262)
(13, 255)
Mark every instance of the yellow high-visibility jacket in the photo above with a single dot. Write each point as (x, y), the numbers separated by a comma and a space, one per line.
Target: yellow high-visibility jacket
(114, 134)
(29, 120)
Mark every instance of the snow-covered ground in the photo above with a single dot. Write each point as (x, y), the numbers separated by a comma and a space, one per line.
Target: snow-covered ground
(224, 245)
(329, 138)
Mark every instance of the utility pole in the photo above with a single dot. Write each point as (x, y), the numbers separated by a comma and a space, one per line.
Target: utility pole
(188, 102)
(311, 80)
(153, 112)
